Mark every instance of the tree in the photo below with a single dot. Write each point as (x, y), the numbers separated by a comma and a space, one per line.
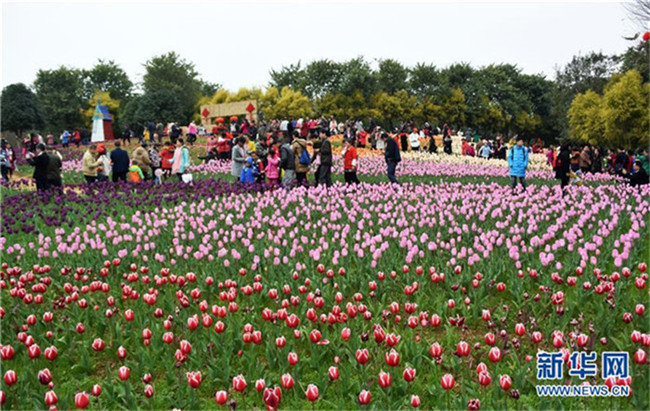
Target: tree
(625, 111)
(392, 76)
(586, 123)
(453, 108)
(639, 12)
(358, 76)
(109, 77)
(393, 108)
(160, 105)
(292, 76)
(321, 77)
(60, 93)
(636, 58)
(286, 103)
(170, 75)
(20, 109)
(208, 89)
(425, 80)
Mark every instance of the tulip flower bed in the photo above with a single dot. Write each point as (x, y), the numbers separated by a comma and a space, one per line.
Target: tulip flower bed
(373, 296)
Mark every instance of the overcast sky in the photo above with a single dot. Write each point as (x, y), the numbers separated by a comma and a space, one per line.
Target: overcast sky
(236, 44)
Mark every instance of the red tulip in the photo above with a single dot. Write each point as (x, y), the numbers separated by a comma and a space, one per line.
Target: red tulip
(505, 382)
(121, 352)
(447, 381)
(7, 352)
(129, 315)
(193, 378)
(124, 372)
(11, 377)
(148, 391)
(345, 334)
(520, 329)
(415, 401)
(392, 358)
(490, 339)
(185, 347)
(260, 385)
(640, 356)
(495, 354)
(51, 353)
(3, 397)
(639, 309)
(364, 397)
(44, 376)
(333, 373)
(435, 350)
(239, 383)
(312, 392)
(409, 374)
(582, 340)
(51, 398)
(272, 397)
(384, 379)
(81, 400)
(292, 358)
(462, 349)
(362, 356)
(280, 342)
(34, 351)
(484, 378)
(98, 344)
(287, 381)
(97, 390)
(221, 397)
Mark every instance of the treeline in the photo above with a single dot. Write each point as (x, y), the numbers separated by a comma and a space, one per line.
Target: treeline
(493, 99)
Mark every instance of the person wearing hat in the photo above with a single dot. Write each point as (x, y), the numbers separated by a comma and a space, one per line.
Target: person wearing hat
(105, 169)
(140, 154)
(54, 165)
(5, 162)
(90, 164)
(40, 162)
(392, 156)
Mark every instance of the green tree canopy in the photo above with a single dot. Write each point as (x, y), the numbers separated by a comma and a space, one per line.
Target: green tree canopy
(20, 109)
(171, 76)
(60, 93)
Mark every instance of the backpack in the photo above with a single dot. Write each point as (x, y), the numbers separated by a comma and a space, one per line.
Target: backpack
(134, 176)
(304, 157)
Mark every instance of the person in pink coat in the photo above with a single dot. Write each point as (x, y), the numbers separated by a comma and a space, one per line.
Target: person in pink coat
(273, 167)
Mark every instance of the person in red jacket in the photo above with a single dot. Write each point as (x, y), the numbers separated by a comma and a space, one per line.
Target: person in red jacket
(350, 162)
(223, 147)
(167, 154)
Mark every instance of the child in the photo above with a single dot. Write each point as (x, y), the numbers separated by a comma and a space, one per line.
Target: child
(272, 168)
(247, 175)
(135, 172)
(258, 169)
(167, 154)
(158, 176)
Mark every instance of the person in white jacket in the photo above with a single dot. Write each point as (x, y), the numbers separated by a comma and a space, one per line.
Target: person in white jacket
(414, 140)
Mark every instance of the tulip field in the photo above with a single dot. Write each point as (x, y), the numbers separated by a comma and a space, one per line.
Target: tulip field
(437, 293)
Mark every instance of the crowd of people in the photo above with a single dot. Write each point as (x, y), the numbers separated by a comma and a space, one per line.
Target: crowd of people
(281, 152)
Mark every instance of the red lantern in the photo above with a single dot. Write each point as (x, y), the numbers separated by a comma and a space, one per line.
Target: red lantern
(233, 119)
(646, 36)
(219, 119)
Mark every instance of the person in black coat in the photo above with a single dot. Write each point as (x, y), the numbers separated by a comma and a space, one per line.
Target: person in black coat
(392, 156)
(563, 165)
(55, 163)
(40, 162)
(640, 176)
(120, 160)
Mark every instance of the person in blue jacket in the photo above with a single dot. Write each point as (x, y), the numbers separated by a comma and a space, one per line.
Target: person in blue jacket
(518, 162)
(249, 173)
